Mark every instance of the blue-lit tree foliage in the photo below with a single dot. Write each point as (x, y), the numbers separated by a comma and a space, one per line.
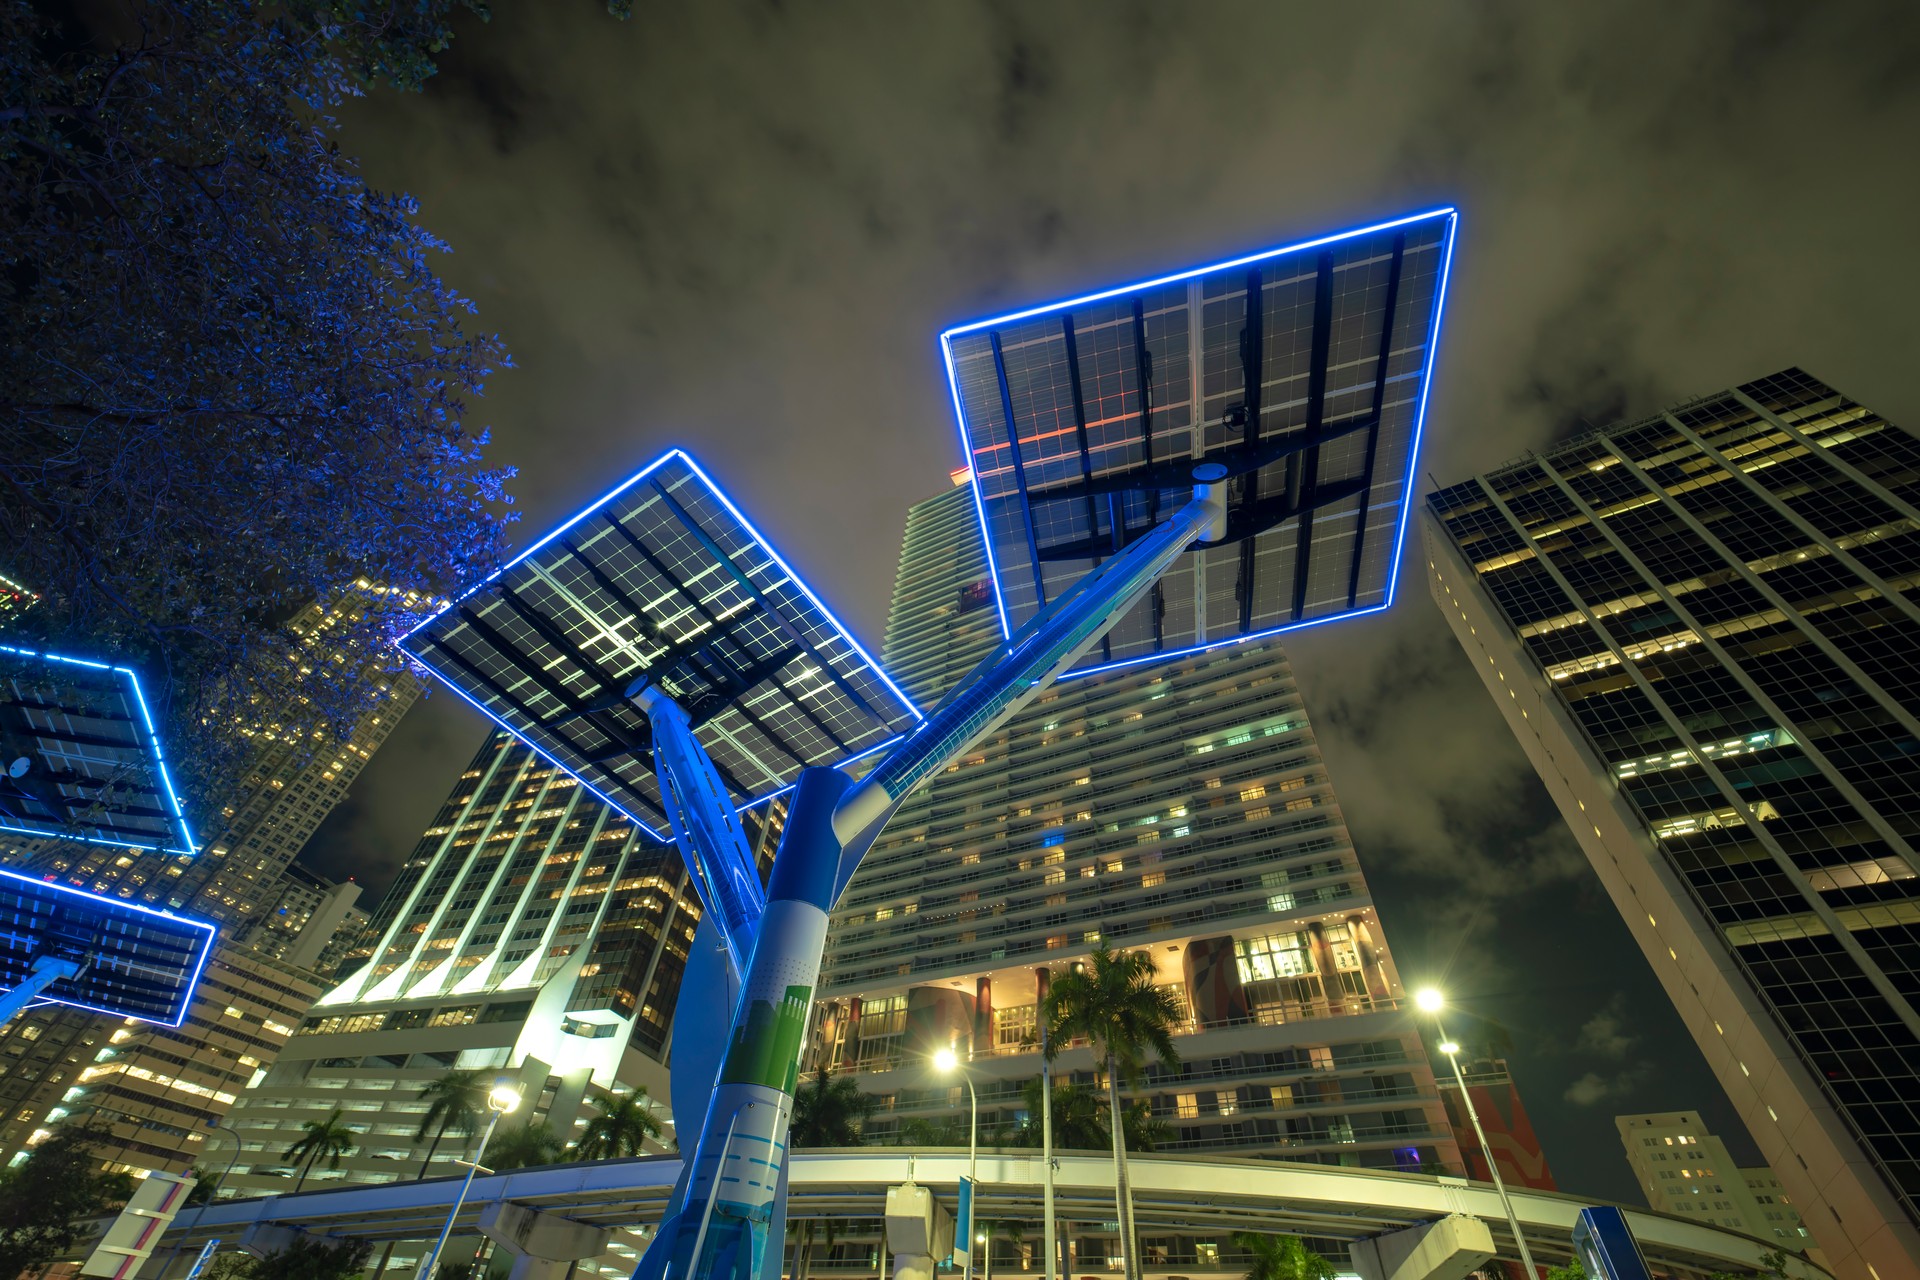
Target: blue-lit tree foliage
(231, 382)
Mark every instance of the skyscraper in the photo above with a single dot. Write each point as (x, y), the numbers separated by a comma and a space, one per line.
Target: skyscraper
(152, 1093)
(534, 933)
(1703, 629)
(1687, 1171)
(263, 819)
(1181, 809)
(243, 879)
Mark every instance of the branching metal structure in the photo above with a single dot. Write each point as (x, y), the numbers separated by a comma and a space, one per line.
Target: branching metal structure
(657, 648)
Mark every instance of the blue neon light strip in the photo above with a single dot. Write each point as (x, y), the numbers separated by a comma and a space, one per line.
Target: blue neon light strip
(206, 928)
(603, 503)
(158, 762)
(1435, 314)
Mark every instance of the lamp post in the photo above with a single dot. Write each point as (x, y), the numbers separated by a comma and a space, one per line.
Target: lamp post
(946, 1061)
(1431, 1001)
(1046, 1143)
(502, 1099)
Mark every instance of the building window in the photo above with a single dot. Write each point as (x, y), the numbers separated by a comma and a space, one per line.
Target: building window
(1276, 955)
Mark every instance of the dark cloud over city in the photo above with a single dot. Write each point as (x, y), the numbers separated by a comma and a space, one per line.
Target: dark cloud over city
(739, 227)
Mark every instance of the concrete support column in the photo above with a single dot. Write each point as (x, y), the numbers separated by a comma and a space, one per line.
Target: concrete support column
(919, 1231)
(544, 1245)
(982, 1017)
(1448, 1249)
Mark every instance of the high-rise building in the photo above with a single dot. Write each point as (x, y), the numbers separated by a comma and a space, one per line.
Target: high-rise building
(154, 1093)
(263, 821)
(1504, 1119)
(312, 923)
(243, 878)
(14, 598)
(534, 932)
(1181, 809)
(1687, 1171)
(1703, 628)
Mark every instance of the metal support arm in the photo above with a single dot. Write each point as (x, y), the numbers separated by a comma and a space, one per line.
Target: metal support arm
(46, 971)
(726, 1218)
(705, 826)
(1049, 644)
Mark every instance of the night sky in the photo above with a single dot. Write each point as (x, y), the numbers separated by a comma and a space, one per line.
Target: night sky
(740, 227)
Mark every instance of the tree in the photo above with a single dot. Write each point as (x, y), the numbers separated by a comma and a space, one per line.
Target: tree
(1112, 1000)
(1572, 1270)
(932, 1131)
(1080, 1121)
(232, 385)
(1282, 1258)
(619, 1130)
(827, 1112)
(526, 1146)
(205, 1188)
(329, 1138)
(313, 1258)
(457, 1102)
(45, 1199)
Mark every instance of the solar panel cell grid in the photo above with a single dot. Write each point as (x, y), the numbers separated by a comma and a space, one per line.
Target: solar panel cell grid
(138, 962)
(663, 580)
(1081, 422)
(81, 760)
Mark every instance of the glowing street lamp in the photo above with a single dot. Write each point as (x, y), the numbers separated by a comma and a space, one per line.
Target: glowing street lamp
(1430, 1001)
(946, 1062)
(502, 1099)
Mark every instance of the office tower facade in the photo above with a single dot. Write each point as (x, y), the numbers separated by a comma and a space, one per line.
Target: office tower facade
(263, 820)
(1503, 1116)
(1688, 1171)
(534, 932)
(1180, 809)
(310, 923)
(243, 878)
(154, 1094)
(1703, 629)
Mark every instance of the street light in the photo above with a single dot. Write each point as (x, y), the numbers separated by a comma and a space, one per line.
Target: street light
(502, 1099)
(946, 1061)
(1431, 1001)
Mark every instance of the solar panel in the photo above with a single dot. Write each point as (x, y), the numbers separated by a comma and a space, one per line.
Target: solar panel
(79, 758)
(138, 962)
(1303, 370)
(664, 580)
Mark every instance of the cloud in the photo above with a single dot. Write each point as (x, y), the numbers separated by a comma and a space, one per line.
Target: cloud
(739, 227)
(1592, 1089)
(1603, 1034)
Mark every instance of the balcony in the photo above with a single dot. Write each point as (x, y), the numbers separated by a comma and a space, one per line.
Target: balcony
(887, 1054)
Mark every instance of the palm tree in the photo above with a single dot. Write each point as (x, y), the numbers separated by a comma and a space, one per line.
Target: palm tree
(620, 1130)
(931, 1131)
(459, 1101)
(526, 1146)
(328, 1138)
(1080, 1121)
(826, 1113)
(1281, 1258)
(1113, 1002)
(1078, 1124)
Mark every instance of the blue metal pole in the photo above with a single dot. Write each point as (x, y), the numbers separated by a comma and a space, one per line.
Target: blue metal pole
(46, 971)
(726, 1217)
